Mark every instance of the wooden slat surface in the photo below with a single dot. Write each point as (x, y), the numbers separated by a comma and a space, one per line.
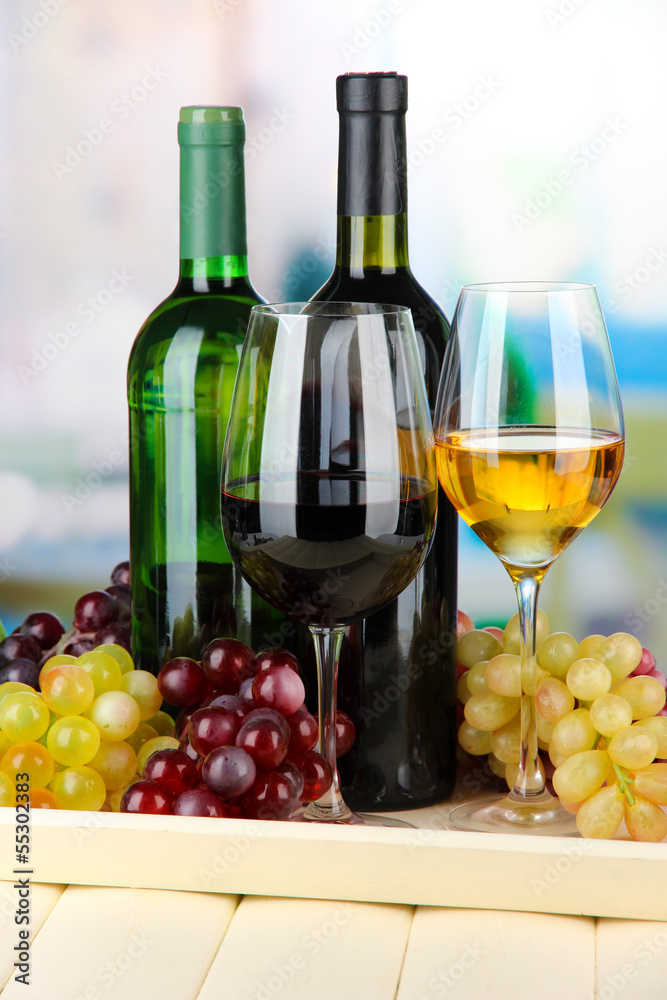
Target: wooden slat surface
(125, 944)
(43, 898)
(315, 949)
(632, 958)
(498, 955)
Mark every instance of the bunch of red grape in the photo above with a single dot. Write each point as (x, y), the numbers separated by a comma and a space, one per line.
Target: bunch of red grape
(600, 714)
(246, 739)
(100, 617)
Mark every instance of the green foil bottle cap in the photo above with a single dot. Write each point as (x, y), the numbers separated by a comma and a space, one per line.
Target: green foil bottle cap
(204, 125)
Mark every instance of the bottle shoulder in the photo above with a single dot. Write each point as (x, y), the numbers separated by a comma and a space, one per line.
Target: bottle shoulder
(193, 321)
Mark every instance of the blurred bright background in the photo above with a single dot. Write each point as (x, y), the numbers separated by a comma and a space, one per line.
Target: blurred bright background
(537, 150)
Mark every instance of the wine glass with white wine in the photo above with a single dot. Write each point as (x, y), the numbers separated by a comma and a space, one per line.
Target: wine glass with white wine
(529, 445)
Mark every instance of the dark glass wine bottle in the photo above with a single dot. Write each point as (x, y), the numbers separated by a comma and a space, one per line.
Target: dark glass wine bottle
(398, 667)
(185, 589)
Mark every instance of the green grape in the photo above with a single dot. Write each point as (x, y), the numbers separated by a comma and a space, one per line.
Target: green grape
(506, 741)
(116, 764)
(116, 715)
(120, 655)
(651, 783)
(474, 741)
(104, 670)
(503, 675)
(114, 798)
(633, 747)
(23, 716)
(588, 679)
(60, 660)
(609, 713)
(557, 652)
(7, 790)
(142, 734)
(79, 788)
(620, 652)
(496, 766)
(545, 731)
(645, 695)
(12, 687)
(475, 646)
(658, 726)
(645, 821)
(600, 816)
(142, 686)
(590, 646)
(151, 746)
(512, 633)
(31, 757)
(162, 723)
(574, 733)
(553, 700)
(556, 758)
(490, 711)
(68, 690)
(73, 740)
(476, 678)
(581, 775)
(512, 772)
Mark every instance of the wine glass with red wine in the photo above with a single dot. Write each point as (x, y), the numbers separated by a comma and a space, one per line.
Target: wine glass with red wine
(328, 476)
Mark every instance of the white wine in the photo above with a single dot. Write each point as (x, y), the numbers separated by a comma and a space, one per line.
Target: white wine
(528, 491)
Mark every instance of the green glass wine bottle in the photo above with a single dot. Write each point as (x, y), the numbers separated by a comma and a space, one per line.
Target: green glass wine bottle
(397, 674)
(185, 589)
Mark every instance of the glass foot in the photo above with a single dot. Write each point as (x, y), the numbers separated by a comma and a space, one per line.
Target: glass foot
(501, 814)
(348, 819)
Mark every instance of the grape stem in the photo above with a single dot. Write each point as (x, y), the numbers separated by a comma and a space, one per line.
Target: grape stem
(624, 782)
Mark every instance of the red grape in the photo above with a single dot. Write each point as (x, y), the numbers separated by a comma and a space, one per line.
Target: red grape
(199, 802)
(113, 633)
(44, 627)
(270, 713)
(95, 610)
(245, 688)
(77, 647)
(317, 774)
(304, 731)
(646, 664)
(212, 727)
(171, 769)
(264, 741)
(121, 574)
(229, 771)
(293, 774)
(123, 597)
(227, 662)
(270, 797)
(345, 734)
(276, 657)
(19, 647)
(146, 797)
(185, 747)
(278, 687)
(239, 706)
(182, 682)
(22, 670)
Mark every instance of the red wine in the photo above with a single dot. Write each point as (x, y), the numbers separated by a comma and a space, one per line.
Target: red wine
(342, 549)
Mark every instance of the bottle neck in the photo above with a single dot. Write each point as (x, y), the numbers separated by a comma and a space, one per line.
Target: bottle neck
(379, 242)
(212, 211)
(372, 192)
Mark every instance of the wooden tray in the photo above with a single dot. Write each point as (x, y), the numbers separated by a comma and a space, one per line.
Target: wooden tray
(427, 865)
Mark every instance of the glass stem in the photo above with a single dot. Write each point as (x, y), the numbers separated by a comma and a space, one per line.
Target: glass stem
(330, 807)
(529, 785)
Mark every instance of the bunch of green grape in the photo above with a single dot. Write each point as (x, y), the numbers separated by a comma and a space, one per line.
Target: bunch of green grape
(601, 722)
(80, 737)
